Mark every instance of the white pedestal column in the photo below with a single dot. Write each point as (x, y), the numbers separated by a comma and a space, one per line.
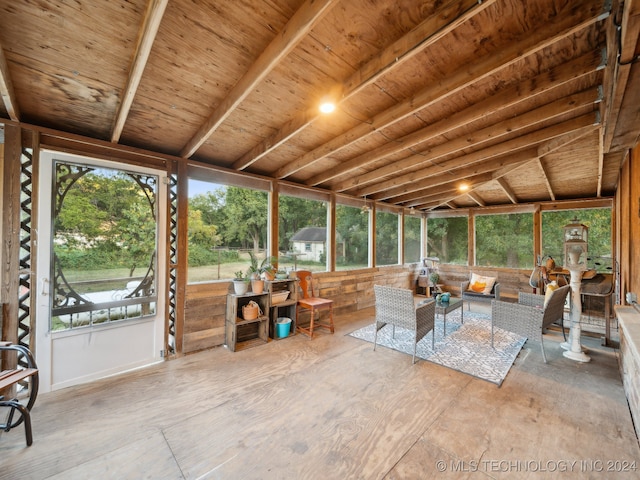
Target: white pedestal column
(572, 346)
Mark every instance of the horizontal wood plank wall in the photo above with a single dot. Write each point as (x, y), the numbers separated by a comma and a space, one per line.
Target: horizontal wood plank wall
(351, 291)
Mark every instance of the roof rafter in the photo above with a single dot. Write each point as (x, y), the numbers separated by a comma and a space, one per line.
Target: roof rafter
(502, 100)
(300, 24)
(150, 25)
(507, 189)
(545, 177)
(443, 21)
(567, 25)
(6, 89)
(528, 119)
(534, 154)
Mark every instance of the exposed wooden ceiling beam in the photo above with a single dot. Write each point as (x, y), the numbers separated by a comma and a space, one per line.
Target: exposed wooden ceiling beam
(443, 21)
(600, 160)
(6, 89)
(545, 148)
(298, 27)
(428, 179)
(409, 181)
(507, 189)
(626, 35)
(476, 198)
(545, 177)
(448, 189)
(492, 106)
(582, 16)
(150, 24)
(491, 134)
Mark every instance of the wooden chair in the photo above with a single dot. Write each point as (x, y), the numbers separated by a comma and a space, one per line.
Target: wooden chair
(11, 377)
(312, 303)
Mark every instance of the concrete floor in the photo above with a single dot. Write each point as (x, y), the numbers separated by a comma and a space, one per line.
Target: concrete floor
(332, 408)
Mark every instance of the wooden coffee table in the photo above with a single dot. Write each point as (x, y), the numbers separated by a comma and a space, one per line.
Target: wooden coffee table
(443, 308)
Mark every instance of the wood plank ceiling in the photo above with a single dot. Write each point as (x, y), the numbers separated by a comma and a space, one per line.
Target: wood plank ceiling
(521, 100)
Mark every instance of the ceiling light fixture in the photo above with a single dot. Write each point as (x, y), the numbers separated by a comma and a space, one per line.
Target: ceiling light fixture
(463, 187)
(327, 106)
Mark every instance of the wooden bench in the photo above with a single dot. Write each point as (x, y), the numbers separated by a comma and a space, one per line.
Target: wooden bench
(11, 377)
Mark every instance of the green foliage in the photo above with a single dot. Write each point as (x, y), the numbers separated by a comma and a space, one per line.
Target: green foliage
(386, 238)
(352, 227)
(296, 213)
(244, 219)
(447, 239)
(505, 240)
(105, 219)
(411, 239)
(598, 220)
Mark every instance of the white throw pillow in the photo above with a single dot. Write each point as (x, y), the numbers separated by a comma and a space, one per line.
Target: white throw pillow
(481, 284)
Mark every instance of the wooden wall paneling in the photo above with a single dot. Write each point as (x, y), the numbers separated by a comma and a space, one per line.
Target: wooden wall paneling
(634, 221)
(11, 237)
(622, 203)
(204, 313)
(351, 290)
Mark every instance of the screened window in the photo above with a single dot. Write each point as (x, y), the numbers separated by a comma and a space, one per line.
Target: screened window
(505, 240)
(599, 248)
(448, 239)
(302, 222)
(352, 237)
(411, 239)
(226, 223)
(386, 238)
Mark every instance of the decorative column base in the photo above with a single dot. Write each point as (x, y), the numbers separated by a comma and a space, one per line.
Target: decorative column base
(577, 356)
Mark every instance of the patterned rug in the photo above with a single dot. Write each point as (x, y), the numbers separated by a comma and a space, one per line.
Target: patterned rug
(465, 348)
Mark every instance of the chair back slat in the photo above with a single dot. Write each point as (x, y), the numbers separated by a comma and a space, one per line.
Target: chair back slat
(306, 283)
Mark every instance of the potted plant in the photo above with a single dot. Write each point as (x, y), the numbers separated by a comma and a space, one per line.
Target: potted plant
(240, 283)
(259, 272)
(257, 284)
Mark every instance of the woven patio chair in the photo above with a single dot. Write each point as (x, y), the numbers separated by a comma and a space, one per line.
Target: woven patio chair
(530, 317)
(395, 306)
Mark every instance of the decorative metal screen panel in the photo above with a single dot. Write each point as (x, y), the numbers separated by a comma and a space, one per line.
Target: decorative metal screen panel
(104, 224)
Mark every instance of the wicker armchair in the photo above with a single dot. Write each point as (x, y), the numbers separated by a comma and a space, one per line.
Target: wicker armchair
(395, 306)
(529, 317)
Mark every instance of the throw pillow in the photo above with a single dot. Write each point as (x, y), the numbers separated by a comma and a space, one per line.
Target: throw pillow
(481, 284)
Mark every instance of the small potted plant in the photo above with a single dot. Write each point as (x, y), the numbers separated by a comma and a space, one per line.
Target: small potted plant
(257, 284)
(434, 278)
(240, 283)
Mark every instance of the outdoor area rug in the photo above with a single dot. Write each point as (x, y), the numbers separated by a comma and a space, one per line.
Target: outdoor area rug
(466, 347)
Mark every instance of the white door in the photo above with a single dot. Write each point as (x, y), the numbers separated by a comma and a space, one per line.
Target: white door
(100, 295)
